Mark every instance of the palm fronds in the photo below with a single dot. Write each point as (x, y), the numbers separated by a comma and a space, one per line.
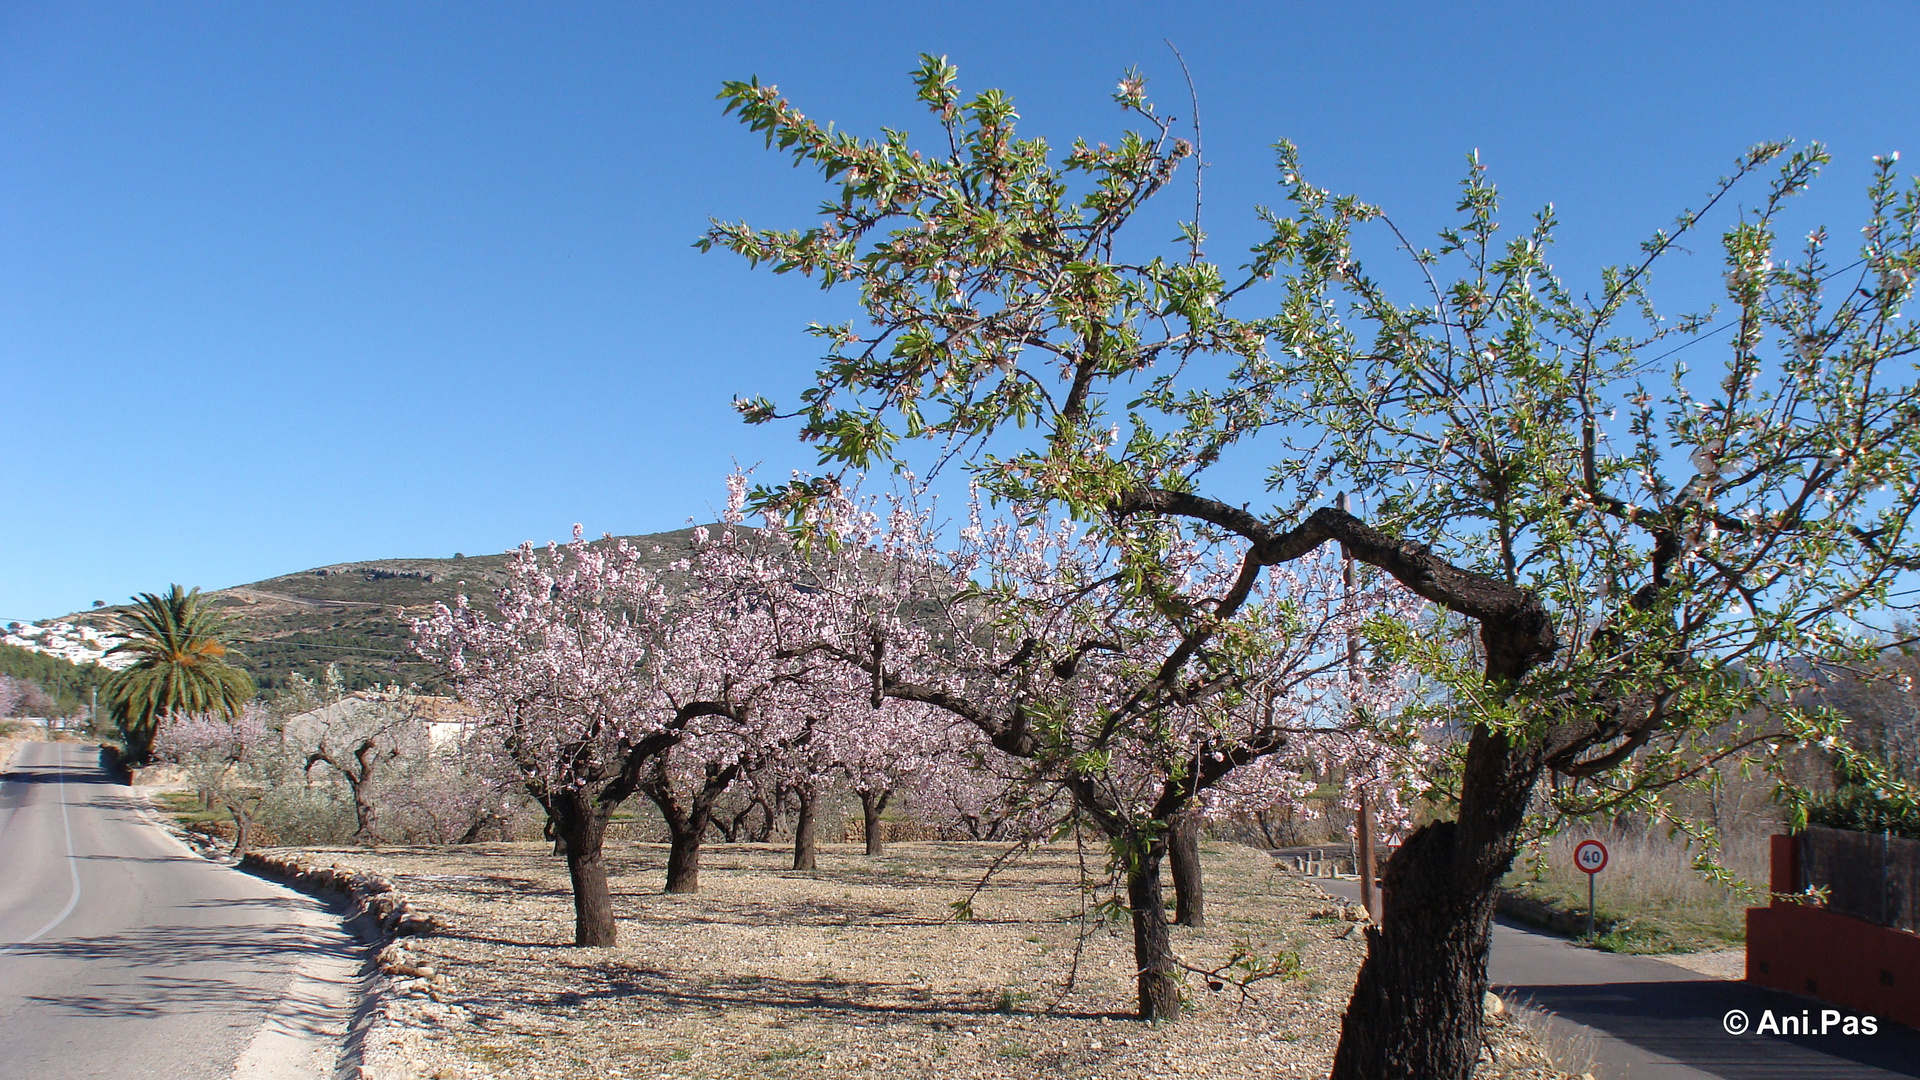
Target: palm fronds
(180, 666)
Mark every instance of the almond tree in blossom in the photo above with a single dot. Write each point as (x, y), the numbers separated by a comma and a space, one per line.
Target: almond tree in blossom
(234, 760)
(461, 790)
(1635, 549)
(894, 744)
(567, 678)
(686, 780)
(1034, 636)
(983, 793)
(602, 679)
(736, 634)
(12, 692)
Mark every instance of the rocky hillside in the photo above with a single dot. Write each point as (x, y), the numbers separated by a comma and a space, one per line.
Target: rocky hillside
(355, 614)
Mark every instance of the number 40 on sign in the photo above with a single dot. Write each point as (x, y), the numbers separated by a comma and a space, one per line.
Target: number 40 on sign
(1591, 857)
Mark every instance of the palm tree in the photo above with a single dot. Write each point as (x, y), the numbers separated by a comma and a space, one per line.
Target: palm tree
(181, 667)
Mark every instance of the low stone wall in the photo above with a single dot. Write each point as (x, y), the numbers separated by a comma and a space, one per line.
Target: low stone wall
(1546, 916)
(370, 894)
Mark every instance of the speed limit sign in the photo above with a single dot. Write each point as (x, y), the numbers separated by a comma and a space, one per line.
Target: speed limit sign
(1590, 856)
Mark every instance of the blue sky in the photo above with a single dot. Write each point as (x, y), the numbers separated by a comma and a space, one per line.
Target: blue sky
(288, 285)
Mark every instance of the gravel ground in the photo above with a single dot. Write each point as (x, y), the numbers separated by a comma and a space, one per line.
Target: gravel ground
(1717, 964)
(855, 970)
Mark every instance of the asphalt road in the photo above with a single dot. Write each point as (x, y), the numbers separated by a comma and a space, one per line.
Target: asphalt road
(1644, 1019)
(123, 955)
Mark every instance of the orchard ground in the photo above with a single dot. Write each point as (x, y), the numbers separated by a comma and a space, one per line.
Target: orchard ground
(857, 969)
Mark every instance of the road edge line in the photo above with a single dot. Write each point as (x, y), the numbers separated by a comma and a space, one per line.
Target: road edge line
(73, 870)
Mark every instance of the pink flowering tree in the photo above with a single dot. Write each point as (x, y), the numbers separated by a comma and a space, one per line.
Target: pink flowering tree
(566, 677)
(603, 678)
(734, 634)
(451, 795)
(979, 791)
(1036, 636)
(24, 697)
(895, 743)
(233, 759)
(12, 693)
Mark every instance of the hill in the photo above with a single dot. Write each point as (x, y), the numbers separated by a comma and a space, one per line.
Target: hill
(70, 685)
(355, 614)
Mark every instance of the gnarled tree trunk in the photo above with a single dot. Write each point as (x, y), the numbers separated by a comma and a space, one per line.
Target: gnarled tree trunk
(1183, 852)
(763, 832)
(687, 820)
(805, 849)
(488, 821)
(580, 823)
(683, 856)
(366, 815)
(1417, 1005)
(872, 805)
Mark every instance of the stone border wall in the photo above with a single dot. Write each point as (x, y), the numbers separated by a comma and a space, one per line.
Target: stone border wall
(1547, 917)
(368, 893)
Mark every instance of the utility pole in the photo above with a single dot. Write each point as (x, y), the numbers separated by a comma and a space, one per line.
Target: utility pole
(1363, 827)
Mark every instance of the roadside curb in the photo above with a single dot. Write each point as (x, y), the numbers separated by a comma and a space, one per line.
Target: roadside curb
(380, 915)
(373, 911)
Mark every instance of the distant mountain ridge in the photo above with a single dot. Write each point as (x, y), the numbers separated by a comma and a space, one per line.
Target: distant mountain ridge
(355, 614)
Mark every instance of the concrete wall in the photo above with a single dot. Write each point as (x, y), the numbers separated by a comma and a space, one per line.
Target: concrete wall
(1805, 949)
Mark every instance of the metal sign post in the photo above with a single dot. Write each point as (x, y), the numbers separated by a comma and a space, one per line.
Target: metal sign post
(1591, 857)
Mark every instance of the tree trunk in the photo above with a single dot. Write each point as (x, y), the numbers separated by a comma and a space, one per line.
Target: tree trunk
(1364, 862)
(365, 815)
(687, 821)
(732, 827)
(1183, 851)
(763, 833)
(242, 828)
(487, 820)
(1264, 820)
(1152, 937)
(683, 856)
(1417, 1005)
(581, 824)
(872, 805)
(805, 850)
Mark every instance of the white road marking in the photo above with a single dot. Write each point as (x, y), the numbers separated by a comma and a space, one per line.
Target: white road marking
(73, 869)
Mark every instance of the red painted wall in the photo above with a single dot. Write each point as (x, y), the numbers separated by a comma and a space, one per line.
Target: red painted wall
(1808, 950)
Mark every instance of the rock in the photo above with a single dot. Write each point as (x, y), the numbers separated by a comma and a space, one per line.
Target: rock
(1493, 1005)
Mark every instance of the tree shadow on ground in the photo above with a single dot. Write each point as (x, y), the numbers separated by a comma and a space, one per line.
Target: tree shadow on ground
(850, 1000)
(819, 913)
(166, 946)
